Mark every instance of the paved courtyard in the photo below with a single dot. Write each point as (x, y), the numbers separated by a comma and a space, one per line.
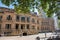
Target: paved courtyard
(30, 37)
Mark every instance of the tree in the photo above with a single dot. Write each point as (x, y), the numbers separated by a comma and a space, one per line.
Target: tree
(58, 10)
(19, 5)
(49, 6)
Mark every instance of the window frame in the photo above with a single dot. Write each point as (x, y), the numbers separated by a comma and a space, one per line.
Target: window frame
(22, 26)
(9, 17)
(1, 17)
(33, 20)
(16, 26)
(28, 26)
(17, 17)
(23, 17)
(0, 26)
(28, 19)
(8, 26)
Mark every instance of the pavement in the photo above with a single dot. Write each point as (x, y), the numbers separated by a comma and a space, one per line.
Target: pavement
(29, 37)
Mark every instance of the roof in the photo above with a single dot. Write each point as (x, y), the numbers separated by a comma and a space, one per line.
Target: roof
(7, 8)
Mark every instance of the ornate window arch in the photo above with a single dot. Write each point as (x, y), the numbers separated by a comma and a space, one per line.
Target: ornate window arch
(9, 17)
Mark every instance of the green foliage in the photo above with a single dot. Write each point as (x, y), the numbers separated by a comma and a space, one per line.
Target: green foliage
(7, 2)
(49, 6)
(23, 6)
(19, 5)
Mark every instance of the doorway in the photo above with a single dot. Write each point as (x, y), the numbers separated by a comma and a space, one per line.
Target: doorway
(24, 34)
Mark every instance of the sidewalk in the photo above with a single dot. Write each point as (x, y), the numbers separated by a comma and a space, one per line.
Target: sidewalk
(30, 37)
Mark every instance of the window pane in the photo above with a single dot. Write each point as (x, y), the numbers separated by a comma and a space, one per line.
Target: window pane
(23, 19)
(0, 26)
(28, 26)
(9, 17)
(22, 26)
(38, 28)
(33, 27)
(28, 19)
(8, 26)
(17, 26)
(0, 18)
(37, 21)
(33, 20)
(17, 18)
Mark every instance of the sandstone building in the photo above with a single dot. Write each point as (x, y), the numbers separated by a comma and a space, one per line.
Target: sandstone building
(23, 24)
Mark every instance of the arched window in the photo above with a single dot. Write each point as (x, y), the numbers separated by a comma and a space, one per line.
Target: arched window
(33, 20)
(28, 19)
(38, 21)
(0, 26)
(17, 17)
(9, 17)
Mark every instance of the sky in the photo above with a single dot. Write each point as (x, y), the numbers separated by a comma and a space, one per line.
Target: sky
(2, 5)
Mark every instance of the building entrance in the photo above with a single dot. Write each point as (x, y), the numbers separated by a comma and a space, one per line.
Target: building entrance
(24, 34)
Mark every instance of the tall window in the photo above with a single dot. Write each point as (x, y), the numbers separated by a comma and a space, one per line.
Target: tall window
(33, 20)
(23, 19)
(0, 18)
(8, 26)
(9, 17)
(27, 26)
(37, 21)
(33, 27)
(43, 29)
(0, 26)
(22, 26)
(17, 26)
(28, 19)
(38, 28)
(17, 17)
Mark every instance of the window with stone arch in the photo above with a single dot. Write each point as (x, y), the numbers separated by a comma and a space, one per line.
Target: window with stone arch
(0, 18)
(28, 19)
(37, 21)
(9, 17)
(0, 26)
(38, 28)
(33, 20)
(17, 17)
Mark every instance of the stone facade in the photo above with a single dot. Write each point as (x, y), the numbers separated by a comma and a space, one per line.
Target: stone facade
(23, 24)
